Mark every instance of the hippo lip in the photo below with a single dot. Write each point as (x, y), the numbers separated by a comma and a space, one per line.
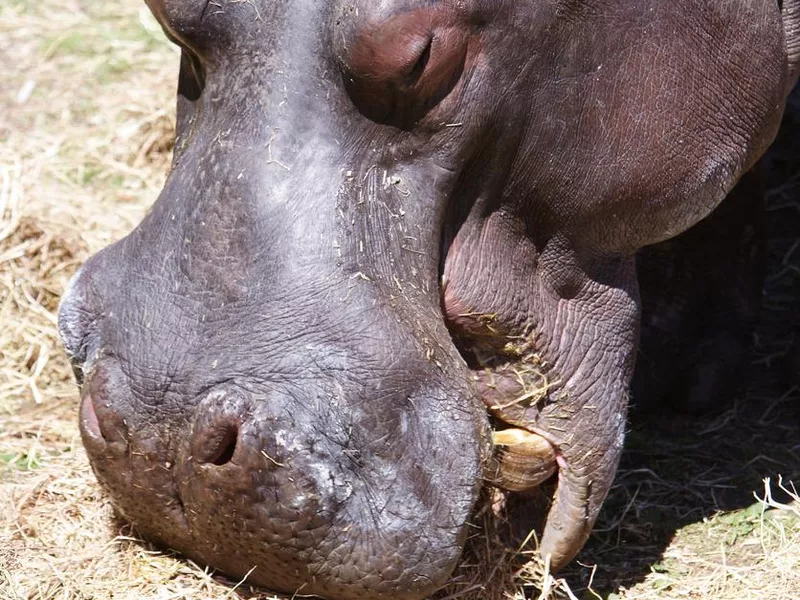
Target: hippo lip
(88, 419)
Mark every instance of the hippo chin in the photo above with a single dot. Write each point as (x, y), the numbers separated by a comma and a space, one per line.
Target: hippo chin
(385, 222)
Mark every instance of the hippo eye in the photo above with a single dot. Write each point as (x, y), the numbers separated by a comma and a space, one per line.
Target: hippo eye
(397, 71)
(422, 62)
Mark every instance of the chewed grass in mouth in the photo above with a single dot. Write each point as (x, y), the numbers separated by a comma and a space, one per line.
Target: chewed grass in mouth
(513, 380)
(500, 561)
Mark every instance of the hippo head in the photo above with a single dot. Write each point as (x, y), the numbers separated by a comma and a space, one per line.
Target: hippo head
(386, 221)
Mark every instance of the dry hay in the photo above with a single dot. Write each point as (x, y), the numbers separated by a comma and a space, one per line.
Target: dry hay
(83, 151)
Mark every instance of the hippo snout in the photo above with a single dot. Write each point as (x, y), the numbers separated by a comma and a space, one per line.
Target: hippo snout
(303, 484)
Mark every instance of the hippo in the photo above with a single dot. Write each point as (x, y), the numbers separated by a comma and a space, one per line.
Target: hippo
(395, 262)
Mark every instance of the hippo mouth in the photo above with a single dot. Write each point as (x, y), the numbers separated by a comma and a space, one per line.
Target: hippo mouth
(513, 380)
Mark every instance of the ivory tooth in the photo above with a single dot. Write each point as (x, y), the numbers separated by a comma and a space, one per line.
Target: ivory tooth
(526, 459)
(520, 437)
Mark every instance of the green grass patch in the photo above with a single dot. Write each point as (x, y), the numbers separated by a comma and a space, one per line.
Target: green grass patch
(22, 461)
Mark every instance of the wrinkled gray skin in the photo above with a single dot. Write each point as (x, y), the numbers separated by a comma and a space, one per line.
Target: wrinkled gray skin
(269, 375)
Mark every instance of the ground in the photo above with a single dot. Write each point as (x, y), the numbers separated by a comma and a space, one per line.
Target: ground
(702, 508)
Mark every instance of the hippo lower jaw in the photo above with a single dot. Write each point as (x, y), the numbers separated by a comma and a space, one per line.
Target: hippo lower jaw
(545, 367)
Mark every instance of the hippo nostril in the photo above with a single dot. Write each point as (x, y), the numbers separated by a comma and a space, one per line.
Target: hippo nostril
(222, 446)
(220, 421)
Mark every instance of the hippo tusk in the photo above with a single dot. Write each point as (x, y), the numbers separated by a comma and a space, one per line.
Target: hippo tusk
(525, 459)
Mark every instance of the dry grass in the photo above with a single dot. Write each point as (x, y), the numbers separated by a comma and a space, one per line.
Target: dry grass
(86, 89)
